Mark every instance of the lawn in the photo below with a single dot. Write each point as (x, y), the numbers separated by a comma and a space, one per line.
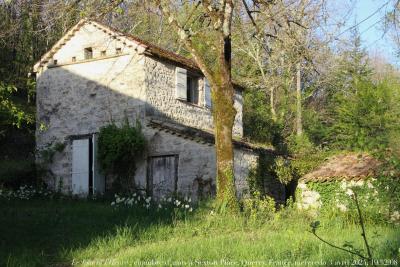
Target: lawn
(93, 233)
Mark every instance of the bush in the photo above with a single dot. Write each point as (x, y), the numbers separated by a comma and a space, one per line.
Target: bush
(15, 173)
(119, 148)
(258, 207)
(337, 201)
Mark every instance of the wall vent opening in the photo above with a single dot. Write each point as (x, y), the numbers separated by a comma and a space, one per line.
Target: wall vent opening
(88, 53)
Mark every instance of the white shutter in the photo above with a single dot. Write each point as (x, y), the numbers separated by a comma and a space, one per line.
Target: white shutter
(80, 167)
(99, 182)
(207, 93)
(181, 84)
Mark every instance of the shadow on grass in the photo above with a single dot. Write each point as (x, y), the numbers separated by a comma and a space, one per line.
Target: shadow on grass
(43, 232)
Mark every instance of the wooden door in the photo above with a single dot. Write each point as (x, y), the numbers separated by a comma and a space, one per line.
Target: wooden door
(162, 175)
(80, 167)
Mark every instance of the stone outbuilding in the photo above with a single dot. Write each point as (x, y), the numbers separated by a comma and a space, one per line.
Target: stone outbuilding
(96, 75)
(350, 169)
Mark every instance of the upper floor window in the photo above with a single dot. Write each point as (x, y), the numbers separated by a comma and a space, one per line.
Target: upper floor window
(88, 53)
(103, 53)
(73, 59)
(187, 88)
(118, 51)
(192, 87)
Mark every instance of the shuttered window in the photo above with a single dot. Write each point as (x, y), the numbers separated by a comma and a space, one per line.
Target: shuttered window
(181, 84)
(192, 89)
(207, 93)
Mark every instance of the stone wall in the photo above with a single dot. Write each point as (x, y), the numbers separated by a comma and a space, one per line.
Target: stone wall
(160, 80)
(78, 99)
(309, 199)
(197, 161)
(89, 36)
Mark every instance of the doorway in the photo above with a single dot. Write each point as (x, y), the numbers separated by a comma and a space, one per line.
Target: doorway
(162, 175)
(86, 176)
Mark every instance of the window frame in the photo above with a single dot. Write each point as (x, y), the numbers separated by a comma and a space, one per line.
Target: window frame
(193, 87)
(88, 53)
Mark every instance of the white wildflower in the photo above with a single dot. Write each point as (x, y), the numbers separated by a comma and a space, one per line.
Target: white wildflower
(190, 210)
(112, 203)
(169, 199)
(395, 216)
(187, 206)
(342, 207)
(159, 206)
(349, 192)
(370, 185)
(343, 185)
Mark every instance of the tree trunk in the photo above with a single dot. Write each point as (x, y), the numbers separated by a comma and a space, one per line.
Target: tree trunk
(222, 92)
(224, 117)
(299, 125)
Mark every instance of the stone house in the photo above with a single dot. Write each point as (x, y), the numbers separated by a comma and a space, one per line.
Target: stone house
(96, 75)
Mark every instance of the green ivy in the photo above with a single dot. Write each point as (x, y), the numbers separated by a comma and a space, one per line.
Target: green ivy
(119, 150)
(328, 191)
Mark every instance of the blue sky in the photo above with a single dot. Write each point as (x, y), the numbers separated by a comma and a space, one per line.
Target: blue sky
(371, 30)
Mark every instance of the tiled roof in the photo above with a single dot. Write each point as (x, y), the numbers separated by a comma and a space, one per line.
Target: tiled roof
(198, 135)
(351, 166)
(150, 49)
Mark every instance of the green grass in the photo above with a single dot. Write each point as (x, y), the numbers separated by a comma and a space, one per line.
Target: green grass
(89, 233)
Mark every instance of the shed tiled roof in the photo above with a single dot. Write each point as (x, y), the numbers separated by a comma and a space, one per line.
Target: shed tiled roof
(200, 136)
(351, 166)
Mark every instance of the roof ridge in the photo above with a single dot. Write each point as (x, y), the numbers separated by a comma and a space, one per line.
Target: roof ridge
(153, 49)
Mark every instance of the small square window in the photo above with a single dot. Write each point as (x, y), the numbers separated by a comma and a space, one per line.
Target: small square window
(55, 61)
(88, 53)
(103, 53)
(73, 59)
(118, 51)
(192, 89)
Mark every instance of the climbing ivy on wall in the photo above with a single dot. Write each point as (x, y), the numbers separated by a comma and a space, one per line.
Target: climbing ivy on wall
(119, 148)
(337, 200)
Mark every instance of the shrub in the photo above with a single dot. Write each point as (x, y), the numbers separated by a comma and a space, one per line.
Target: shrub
(337, 200)
(15, 173)
(258, 207)
(119, 149)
